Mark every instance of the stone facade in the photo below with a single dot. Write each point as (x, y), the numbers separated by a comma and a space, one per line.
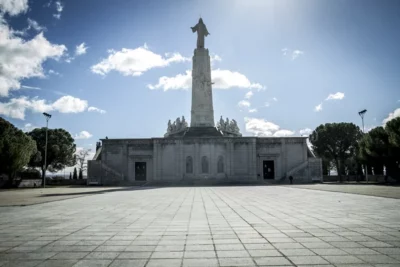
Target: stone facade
(179, 159)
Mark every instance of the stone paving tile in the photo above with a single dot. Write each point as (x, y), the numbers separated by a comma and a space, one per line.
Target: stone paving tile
(378, 259)
(128, 263)
(199, 254)
(57, 263)
(297, 252)
(360, 251)
(329, 251)
(199, 247)
(92, 263)
(265, 253)
(23, 263)
(268, 261)
(164, 263)
(213, 262)
(70, 255)
(342, 259)
(307, 260)
(236, 261)
(213, 226)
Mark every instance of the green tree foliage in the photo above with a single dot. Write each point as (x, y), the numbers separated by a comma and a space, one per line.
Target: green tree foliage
(80, 177)
(75, 175)
(393, 130)
(60, 149)
(70, 176)
(16, 149)
(336, 143)
(379, 148)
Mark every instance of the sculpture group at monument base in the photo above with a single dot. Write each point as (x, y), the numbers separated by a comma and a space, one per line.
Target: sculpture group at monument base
(186, 158)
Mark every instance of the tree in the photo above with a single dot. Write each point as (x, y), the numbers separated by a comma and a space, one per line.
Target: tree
(377, 149)
(80, 177)
(75, 176)
(81, 159)
(60, 150)
(70, 176)
(393, 130)
(16, 149)
(336, 142)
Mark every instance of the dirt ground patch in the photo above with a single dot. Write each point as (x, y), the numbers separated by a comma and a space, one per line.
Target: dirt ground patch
(360, 189)
(31, 196)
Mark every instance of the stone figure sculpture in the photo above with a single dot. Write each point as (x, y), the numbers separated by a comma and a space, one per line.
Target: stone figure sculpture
(169, 128)
(202, 31)
(184, 123)
(177, 125)
(228, 126)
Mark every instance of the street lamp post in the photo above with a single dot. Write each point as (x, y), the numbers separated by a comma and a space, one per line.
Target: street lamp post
(48, 116)
(362, 113)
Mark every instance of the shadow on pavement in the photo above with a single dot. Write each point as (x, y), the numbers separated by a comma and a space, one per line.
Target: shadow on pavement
(96, 192)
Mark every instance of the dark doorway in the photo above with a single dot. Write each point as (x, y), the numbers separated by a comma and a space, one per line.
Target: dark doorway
(268, 169)
(140, 171)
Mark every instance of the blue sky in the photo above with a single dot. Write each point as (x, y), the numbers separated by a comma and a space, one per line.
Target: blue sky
(291, 55)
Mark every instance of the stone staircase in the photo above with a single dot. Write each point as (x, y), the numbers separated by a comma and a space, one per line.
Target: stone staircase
(202, 182)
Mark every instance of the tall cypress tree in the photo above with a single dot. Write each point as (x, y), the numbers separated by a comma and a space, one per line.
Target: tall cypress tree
(75, 176)
(70, 175)
(80, 174)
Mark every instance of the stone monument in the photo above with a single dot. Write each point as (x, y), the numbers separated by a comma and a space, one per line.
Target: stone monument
(202, 113)
(204, 150)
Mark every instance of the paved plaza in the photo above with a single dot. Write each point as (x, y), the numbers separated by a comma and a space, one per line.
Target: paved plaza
(209, 226)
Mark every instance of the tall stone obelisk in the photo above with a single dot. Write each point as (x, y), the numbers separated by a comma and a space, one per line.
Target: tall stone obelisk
(202, 113)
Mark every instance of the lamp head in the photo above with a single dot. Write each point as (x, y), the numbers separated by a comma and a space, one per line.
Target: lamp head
(47, 115)
(362, 112)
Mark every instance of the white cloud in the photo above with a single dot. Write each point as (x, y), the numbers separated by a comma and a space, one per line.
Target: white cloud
(21, 59)
(260, 127)
(248, 95)
(392, 115)
(135, 62)
(53, 72)
(244, 104)
(253, 110)
(306, 131)
(33, 24)
(13, 7)
(59, 9)
(275, 99)
(180, 81)
(226, 79)
(59, 6)
(293, 54)
(29, 127)
(283, 133)
(296, 54)
(70, 104)
(318, 107)
(336, 96)
(16, 107)
(215, 58)
(83, 135)
(222, 79)
(30, 87)
(267, 104)
(81, 49)
(94, 109)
